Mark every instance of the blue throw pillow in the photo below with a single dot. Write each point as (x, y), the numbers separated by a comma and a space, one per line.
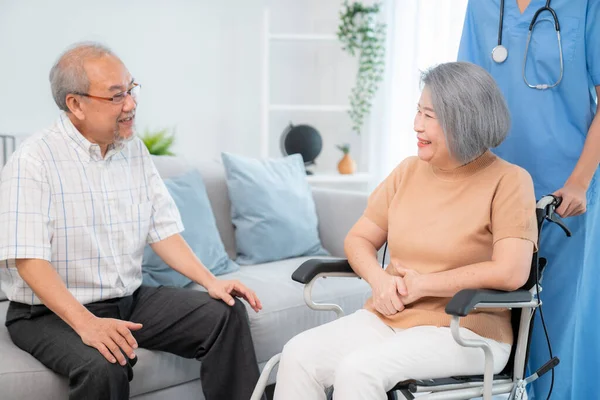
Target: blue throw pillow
(272, 209)
(200, 233)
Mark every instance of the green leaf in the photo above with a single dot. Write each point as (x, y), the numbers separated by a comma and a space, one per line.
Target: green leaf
(158, 142)
(361, 33)
(345, 148)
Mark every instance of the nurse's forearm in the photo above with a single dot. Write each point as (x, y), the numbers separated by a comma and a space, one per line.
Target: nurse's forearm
(590, 156)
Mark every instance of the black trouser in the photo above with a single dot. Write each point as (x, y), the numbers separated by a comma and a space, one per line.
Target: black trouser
(185, 322)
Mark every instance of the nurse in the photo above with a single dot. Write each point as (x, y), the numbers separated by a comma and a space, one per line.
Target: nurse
(551, 88)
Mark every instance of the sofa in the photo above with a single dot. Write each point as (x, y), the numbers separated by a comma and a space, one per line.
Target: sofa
(159, 375)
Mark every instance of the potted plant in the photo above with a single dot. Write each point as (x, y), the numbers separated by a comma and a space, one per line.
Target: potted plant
(346, 165)
(160, 142)
(362, 34)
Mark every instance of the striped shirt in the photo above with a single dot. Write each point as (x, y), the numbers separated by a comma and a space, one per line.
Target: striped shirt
(89, 216)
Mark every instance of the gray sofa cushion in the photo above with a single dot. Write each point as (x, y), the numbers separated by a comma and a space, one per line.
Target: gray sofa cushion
(284, 312)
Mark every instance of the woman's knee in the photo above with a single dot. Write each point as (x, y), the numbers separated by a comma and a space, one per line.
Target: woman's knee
(355, 369)
(294, 348)
(300, 351)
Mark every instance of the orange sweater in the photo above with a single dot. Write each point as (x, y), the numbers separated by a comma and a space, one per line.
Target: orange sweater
(440, 220)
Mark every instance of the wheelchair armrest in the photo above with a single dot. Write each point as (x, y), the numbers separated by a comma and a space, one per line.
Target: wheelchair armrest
(311, 268)
(466, 300)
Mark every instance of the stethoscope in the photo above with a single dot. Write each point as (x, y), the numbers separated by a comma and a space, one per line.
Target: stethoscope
(500, 53)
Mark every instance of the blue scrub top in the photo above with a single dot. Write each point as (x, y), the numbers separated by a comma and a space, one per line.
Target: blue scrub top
(548, 131)
(549, 127)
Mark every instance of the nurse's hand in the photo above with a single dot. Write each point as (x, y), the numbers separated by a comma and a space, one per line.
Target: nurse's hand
(574, 200)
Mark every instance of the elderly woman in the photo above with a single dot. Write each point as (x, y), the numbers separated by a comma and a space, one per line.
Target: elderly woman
(455, 217)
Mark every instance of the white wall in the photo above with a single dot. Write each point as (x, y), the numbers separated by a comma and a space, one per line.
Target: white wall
(199, 62)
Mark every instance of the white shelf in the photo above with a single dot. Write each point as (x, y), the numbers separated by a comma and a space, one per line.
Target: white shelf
(295, 36)
(272, 41)
(308, 107)
(336, 177)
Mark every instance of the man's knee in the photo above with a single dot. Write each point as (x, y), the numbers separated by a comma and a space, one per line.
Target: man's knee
(226, 312)
(239, 308)
(101, 373)
(97, 378)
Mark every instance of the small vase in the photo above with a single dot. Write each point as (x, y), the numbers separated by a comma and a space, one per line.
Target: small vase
(346, 165)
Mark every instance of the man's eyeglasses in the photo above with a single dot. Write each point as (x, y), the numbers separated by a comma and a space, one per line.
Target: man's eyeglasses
(118, 98)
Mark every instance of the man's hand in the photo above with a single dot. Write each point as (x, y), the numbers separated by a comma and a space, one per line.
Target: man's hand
(111, 337)
(226, 290)
(574, 201)
(413, 281)
(387, 290)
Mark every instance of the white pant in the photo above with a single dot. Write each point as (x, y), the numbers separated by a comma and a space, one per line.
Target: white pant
(363, 358)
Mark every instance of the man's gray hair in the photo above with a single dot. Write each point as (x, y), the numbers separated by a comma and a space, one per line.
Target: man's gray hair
(68, 75)
(470, 108)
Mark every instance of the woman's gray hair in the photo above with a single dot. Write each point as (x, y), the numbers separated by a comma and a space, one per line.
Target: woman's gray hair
(470, 108)
(67, 75)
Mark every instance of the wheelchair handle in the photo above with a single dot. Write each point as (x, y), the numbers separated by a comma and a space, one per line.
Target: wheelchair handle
(549, 204)
(549, 201)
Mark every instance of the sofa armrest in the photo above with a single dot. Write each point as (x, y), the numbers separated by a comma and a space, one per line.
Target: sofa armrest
(311, 268)
(466, 300)
(338, 211)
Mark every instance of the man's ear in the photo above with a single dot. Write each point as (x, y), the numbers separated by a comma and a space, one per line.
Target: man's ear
(74, 104)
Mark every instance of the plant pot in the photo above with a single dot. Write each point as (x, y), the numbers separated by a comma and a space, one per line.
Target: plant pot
(346, 165)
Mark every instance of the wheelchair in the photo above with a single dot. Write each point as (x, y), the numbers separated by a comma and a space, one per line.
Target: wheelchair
(523, 303)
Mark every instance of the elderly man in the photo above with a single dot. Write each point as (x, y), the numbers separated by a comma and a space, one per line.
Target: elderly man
(78, 203)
